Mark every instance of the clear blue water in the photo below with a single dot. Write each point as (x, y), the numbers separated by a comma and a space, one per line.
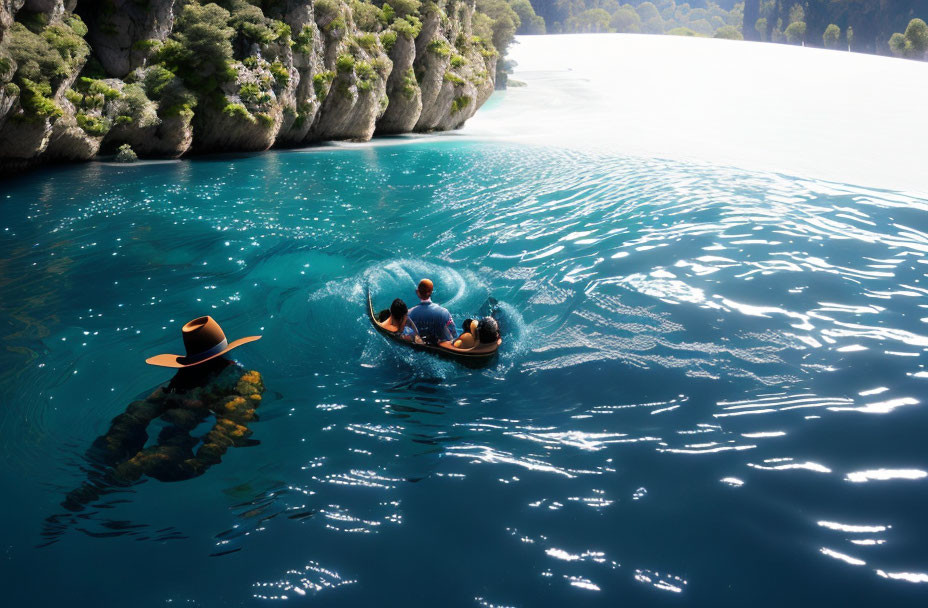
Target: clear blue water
(711, 391)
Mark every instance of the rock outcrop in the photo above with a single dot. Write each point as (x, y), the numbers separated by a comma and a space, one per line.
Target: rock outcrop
(171, 77)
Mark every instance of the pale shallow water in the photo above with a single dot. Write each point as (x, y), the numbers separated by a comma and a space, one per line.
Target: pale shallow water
(711, 390)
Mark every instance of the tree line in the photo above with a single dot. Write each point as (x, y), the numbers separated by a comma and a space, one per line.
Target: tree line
(873, 26)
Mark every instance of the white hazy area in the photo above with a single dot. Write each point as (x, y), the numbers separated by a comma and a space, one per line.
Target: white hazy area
(832, 115)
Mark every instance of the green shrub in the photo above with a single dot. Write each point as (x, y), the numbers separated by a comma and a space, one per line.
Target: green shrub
(368, 42)
(338, 26)
(410, 84)
(252, 94)
(404, 7)
(302, 114)
(92, 125)
(35, 101)
(344, 63)
(460, 103)
(408, 27)
(265, 119)
(439, 47)
(36, 58)
(237, 110)
(99, 87)
(146, 45)
(281, 73)
(249, 21)
(367, 17)
(200, 48)
(303, 42)
(388, 39)
(11, 89)
(156, 80)
(136, 106)
(381, 65)
(454, 79)
(326, 7)
(250, 62)
(74, 97)
(77, 25)
(284, 32)
(458, 61)
(321, 83)
(71, 46)
(344, 89)
(126, 154)
(366, 74)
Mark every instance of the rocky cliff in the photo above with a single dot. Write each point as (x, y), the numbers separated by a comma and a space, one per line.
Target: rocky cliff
(171, 77)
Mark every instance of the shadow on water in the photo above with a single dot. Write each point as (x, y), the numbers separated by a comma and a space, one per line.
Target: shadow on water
(219, 397)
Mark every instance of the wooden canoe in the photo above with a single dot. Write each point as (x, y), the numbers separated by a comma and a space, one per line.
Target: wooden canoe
(471, 357)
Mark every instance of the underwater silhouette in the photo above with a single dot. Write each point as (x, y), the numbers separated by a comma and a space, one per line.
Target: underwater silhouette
(218, 388)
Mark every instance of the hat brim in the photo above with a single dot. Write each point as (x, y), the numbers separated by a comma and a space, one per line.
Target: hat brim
(178, 361)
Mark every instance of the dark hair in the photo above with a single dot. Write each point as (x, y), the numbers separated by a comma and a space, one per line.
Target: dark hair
(470, 326)
(488, 330)
(398, 309)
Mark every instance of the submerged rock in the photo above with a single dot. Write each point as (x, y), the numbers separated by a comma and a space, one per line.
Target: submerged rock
(125, 154)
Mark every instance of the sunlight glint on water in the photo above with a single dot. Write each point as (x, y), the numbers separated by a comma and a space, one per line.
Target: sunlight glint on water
(711, 386)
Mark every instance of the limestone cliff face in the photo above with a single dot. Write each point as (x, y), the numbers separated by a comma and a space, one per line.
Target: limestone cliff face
(80, 78)
(121, 31)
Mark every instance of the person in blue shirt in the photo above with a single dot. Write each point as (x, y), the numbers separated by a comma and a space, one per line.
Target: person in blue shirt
(434, 322)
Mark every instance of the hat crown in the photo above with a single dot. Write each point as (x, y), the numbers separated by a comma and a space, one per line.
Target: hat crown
(202, 334)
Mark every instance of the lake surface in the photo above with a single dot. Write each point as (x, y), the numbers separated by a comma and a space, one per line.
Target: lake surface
(711, 390)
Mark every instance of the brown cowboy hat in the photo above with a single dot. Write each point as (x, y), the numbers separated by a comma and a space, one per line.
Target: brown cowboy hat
(203, 340)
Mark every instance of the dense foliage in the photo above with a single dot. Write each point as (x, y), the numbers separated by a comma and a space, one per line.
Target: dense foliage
(643, 16)
(860, 25)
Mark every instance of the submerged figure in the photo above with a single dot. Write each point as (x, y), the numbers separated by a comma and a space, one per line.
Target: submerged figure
(433, 321)
(205, 385)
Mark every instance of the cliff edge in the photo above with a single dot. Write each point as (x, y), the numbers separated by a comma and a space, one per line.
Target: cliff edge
(170, 77)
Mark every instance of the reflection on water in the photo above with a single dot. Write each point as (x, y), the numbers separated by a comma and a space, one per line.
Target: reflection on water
(710, 390)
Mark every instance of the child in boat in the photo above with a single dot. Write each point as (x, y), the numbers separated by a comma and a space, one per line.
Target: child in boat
(484, 332)
(399, 321)
(488, 331)
(468, 337)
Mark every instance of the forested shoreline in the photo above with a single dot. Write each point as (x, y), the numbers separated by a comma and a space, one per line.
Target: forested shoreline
(870, 26)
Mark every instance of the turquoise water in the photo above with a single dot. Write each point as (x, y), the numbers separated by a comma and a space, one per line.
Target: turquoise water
(710, 390)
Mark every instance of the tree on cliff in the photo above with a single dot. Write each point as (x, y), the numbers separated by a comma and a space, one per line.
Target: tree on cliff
(200, 49)
(912, 44)
(505, 22)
